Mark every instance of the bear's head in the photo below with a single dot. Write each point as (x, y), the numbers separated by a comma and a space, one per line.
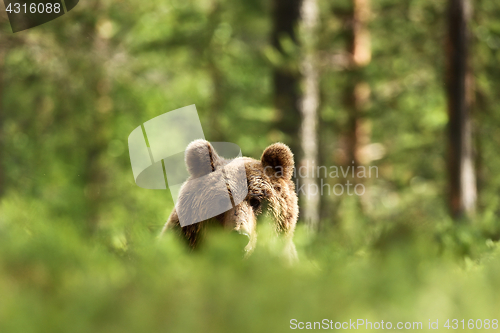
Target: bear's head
(231, 193)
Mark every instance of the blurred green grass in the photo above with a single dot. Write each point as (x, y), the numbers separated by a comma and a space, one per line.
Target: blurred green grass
(78, 239)
(55, 278)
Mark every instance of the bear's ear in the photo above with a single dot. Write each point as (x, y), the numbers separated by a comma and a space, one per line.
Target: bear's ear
(201, 158)
(277, 160)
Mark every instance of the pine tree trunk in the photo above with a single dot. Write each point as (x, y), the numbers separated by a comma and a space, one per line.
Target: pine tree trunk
(215, 131)
(2, 148)
(96, 174)
(459, 84)
(309, 111)
(358, 90)
(286, 80)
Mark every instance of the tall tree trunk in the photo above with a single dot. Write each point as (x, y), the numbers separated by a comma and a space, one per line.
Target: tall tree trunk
(96, 174)
(459, 84)
(2, 147)
(309, 110)
(215, 131)
(286, 79)
(358, 91)
(4, 46)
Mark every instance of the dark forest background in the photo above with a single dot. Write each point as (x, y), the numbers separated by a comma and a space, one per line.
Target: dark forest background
(404, 86)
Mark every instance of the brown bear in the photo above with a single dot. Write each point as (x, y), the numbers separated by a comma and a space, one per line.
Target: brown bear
(265, 181)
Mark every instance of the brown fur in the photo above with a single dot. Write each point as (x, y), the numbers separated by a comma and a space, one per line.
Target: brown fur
(268, 180)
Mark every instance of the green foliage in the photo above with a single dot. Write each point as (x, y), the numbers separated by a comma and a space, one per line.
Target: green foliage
(78, 239)
(53, 279)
